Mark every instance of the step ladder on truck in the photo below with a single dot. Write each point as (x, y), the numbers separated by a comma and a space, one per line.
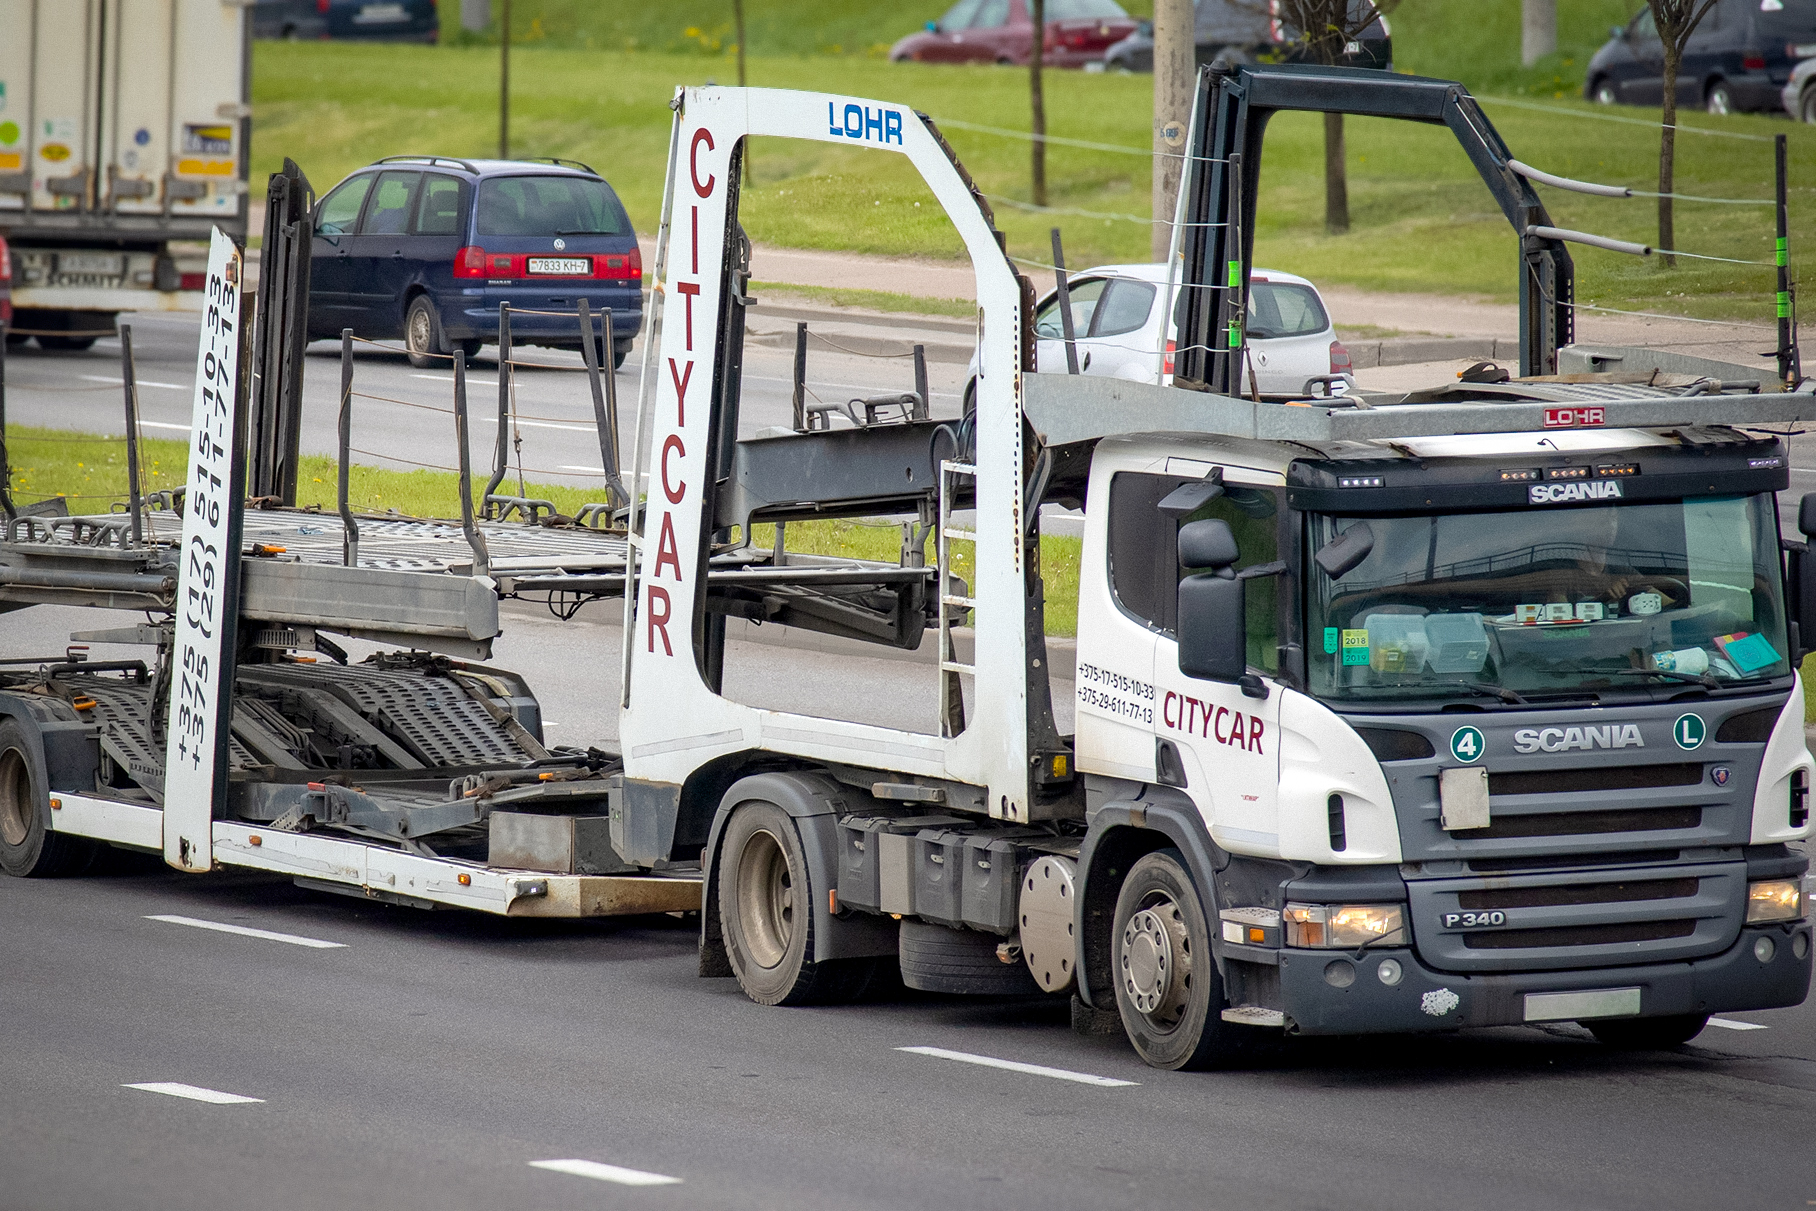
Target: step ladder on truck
(1464, 707)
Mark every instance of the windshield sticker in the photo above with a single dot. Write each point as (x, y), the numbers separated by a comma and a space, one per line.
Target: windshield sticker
(1561, 494)
(1466, 744)
(1330, 640)
(1749, 652)
(1355, 646)
(1689, 731)
(1565, 739)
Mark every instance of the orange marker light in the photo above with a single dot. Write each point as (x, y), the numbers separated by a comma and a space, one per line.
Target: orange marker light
(256, 839)
(56, 805)
(466, 880)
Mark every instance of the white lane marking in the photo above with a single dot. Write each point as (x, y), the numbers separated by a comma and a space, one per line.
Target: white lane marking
(1731, 1024)
(435, 378)
(542, 424)
(247, 932)
(607, 1173)
(588, 470)
(144, 382)
(1058, 1074)
(163, 424)
(194, 1093)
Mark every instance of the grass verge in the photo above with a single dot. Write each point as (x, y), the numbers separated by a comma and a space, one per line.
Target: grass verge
(90, 472)
(1422, 220)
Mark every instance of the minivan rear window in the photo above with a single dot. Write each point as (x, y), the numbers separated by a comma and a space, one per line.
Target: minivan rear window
(1284, 309)
(550, 205)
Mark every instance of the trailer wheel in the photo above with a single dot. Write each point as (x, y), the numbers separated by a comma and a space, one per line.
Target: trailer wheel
(1649, 1034)
(1167, 986)
(28, 849)
(766, 901)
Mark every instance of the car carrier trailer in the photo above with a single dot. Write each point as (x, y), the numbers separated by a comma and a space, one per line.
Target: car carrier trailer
(1404, 712)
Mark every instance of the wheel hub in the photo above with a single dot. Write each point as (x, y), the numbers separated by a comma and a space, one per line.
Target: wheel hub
(1155, 962)
(766, 899)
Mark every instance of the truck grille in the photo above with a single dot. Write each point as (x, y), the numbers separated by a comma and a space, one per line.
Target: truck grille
(1558, 919)
(1595, 778)
(1581, 824)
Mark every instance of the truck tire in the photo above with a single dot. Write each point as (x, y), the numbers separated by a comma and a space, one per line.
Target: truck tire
(1168, 990)
(28, 849)
(65, 344)
(936, 958)
(1648, 1034)
(423, 341)
(766, 899)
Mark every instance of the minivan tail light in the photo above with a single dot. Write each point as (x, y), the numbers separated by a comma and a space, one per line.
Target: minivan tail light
(1753, 61)
(617, 265)
(470, 262)
(6, 261)
(1168, 365)
(321, 6)
(637, 263)
(1339, 359)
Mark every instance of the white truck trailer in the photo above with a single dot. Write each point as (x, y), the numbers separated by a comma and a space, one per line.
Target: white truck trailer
(124, 127)
(1407, 712)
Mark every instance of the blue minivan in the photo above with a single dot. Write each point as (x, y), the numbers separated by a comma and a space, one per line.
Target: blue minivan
(426, 248)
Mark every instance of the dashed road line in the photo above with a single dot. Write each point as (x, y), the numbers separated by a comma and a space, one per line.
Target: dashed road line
(161, 424)
(1058, 1074)
(607, 1173)
(248, 932)
(144, 382)
(1731, 1024)
(194, 1093)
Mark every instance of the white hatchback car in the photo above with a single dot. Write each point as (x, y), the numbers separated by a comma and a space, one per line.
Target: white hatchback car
(1116, 319)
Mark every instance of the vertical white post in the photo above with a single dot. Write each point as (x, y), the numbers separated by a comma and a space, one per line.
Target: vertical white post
(208, 574)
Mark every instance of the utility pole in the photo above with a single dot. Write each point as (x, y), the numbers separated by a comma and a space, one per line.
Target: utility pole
(1037, 103)
(1173, 76)
(504, 84)
(1538, 30)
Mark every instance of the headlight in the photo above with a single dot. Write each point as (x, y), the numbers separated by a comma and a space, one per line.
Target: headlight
(1344, 926)
(1774, 900)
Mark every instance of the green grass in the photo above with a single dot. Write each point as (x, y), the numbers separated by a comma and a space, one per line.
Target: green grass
(91, 472)
(871, 300)
(1422, 219)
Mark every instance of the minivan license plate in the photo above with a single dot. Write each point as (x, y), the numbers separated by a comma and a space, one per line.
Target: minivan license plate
(569, 266)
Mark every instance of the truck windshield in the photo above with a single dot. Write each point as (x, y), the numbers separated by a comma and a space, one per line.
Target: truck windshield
(1546, 602)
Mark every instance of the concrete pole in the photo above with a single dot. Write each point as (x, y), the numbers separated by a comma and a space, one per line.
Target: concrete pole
(1174, 70)
(1538, 30)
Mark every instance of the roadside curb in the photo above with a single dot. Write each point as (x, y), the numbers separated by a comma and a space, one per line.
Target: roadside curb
(1410, 350)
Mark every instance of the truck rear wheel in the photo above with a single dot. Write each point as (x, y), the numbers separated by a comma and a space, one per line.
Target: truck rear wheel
(766, 901)
(28, 848)
(1167, 987)
(1649, 1034)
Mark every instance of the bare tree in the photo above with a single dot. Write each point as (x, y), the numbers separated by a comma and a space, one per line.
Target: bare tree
(1538, 30)
(1321, 30)
(1037, 102)
(1174, 73)
(1676, 21)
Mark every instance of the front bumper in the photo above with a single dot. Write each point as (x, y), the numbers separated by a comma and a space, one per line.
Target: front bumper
(1427, 1000)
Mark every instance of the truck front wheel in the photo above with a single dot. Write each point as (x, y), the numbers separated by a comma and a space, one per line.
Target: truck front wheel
(28, 848)
(766, 902)
(1167, 987)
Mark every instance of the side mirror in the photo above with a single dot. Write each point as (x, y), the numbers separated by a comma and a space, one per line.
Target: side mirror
(1341, 554)
(1806, 515)
(1213, 643)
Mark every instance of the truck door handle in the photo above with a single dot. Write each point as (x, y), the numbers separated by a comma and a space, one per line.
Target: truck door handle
(1086, 364)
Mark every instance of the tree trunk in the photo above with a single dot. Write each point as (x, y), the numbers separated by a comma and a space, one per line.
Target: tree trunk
(1037, 104)
(1336, 177)
(1667, 155)
(1538, 30)
(1174, 73)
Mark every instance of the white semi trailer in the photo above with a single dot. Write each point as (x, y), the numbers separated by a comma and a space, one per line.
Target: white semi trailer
(1466, 707)
(124, 127)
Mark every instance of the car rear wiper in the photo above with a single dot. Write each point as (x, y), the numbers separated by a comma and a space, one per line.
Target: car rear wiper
(1702, 679)
(585, 231)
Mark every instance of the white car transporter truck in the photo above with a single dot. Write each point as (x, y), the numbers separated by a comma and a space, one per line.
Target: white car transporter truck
(1468, 707)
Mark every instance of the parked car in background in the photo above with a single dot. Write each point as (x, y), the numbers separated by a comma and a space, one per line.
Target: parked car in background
(1116, 315)
(1799, 93)
(1738, 59)
(1002, 31)
(426, 248)
(1240, 31)
(386, 20)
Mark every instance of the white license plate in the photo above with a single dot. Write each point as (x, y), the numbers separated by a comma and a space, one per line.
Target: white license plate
(568, 266)
(1587, 1003)
(371, 14)
(103, 263)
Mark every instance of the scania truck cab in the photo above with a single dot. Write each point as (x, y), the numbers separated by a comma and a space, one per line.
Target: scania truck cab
(1511, 733)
